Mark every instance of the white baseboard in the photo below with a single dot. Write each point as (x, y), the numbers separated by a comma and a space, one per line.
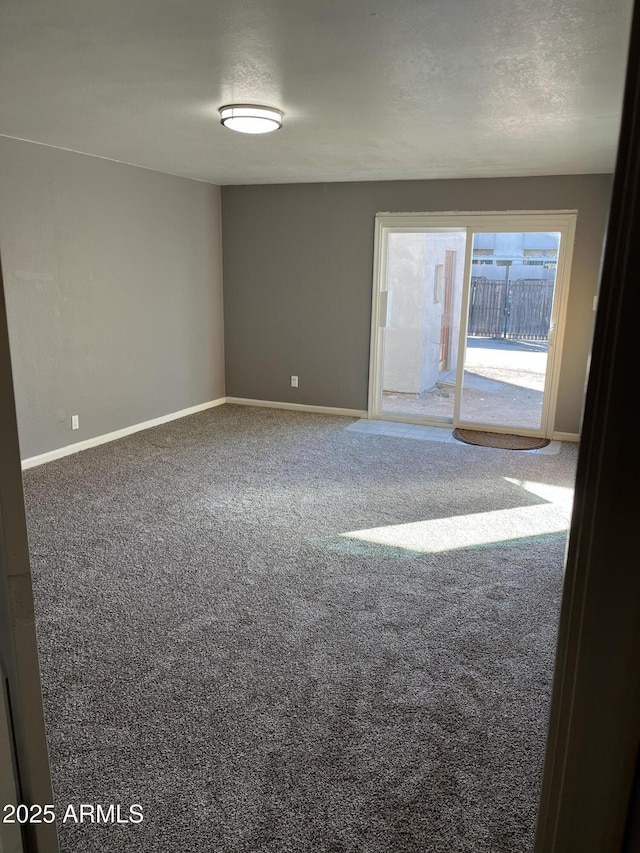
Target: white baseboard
(32, 461)
(566, 436)
(298, 407)
(59, 452)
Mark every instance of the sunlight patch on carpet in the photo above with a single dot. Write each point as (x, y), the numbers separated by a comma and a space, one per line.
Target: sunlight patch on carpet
(561, 496)
(467, 531)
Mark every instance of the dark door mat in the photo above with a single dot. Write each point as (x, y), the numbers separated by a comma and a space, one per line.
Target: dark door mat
(503, 440)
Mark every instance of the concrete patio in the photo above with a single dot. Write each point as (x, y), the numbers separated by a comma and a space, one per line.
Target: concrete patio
(503, 384)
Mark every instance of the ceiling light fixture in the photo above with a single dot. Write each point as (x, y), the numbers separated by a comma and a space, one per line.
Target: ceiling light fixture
(250, 118)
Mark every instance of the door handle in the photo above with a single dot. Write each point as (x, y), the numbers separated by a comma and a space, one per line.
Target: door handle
(384, 306)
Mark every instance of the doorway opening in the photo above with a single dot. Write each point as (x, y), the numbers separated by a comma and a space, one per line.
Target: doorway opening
(467, 319)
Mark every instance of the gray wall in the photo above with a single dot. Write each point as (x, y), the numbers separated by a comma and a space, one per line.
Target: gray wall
(114, 292)
(298, 261)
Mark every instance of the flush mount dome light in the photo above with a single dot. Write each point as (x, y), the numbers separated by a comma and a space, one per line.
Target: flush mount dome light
(249, 118)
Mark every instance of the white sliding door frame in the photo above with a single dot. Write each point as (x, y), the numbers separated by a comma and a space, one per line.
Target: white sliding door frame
(562, 222)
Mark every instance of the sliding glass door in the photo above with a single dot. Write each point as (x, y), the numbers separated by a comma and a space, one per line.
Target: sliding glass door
(464, 318)
(424, 280)
(511, 296)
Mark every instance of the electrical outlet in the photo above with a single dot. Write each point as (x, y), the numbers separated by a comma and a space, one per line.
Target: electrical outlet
(75, 422)
(294, 381)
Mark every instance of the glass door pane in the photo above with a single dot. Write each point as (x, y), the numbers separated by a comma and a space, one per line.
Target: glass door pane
(425, 271)
(510, 301)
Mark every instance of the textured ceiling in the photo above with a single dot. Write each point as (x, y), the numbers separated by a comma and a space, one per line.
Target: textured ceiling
(371, 89)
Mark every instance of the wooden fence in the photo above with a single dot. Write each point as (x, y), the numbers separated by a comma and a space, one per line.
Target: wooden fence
(510, 309)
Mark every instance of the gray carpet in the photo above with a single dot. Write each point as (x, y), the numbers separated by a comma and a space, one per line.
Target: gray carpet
(213, 648)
